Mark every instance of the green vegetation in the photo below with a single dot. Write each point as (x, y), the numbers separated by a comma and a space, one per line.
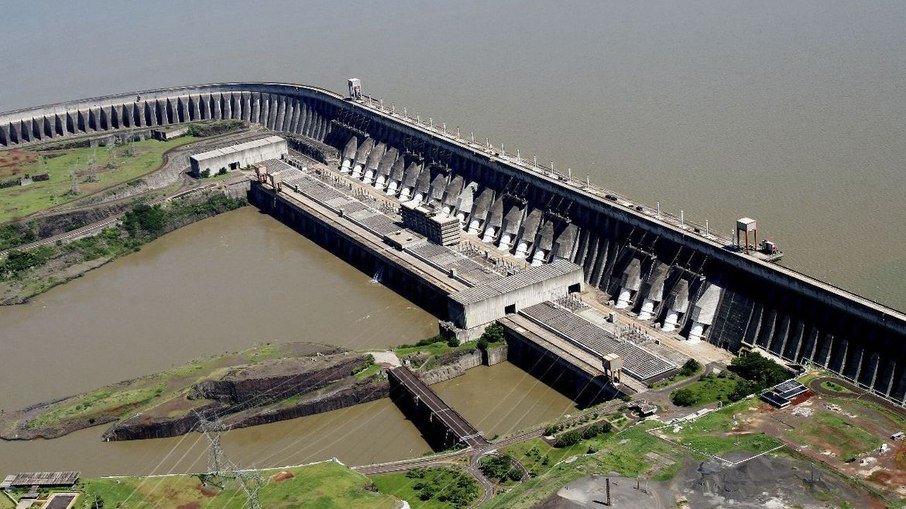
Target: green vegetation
(215, 128)
(830, 431)
(19, 262)
(430, 488)
(615, 419)
(568, 439)
(321, 486)
(632, 453)
(12, 235)
(104, 402)
(691, 368)
(571, 438)
(144, 219)
(716, 433)
(898, 418)
(368, 369)
(748, 373)
(6, 503)
(500, 468)
(428, 351)
(127, 398)
(709, 389)
(759, 370)
(834, 387)
(492, 335)
(75, 172)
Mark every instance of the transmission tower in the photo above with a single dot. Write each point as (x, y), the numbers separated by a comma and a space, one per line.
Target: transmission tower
(213, 429)
(220, 469)
(251, 483)
(74, 182)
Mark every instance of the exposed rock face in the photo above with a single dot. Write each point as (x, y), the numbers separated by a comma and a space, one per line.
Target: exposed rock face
(140, 427)
(267, 391)
(278, 380)
(362, 392)
(452, 366)
(257, 386)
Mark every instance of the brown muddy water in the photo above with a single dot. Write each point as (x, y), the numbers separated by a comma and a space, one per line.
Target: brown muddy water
(219, 285)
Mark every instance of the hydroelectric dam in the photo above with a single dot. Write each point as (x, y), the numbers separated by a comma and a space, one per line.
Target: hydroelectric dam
(478, 235)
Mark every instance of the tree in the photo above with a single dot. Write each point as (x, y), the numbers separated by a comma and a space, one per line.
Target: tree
(568, 439)
(591, 432)
(497, 467)
(145, 219)
(493, 334)
(683, 397)
(762, 371)
(690, 367)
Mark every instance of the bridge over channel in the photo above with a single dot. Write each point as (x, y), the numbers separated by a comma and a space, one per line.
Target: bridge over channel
(442, 426)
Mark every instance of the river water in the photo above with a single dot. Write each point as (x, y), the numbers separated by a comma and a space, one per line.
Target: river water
(221, 285)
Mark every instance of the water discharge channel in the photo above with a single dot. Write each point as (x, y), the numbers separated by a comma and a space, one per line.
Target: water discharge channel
(222, 285)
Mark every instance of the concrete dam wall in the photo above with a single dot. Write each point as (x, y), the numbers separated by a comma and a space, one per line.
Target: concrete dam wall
(677, 277)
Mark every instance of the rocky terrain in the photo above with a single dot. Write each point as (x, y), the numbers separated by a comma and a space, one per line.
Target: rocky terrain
(264, 384)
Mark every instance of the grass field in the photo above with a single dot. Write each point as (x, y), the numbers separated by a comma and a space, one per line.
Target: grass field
(707, 390)
(101, 401)
(322, 486)
(632, 453)
(714, 433)
(108, 169)
(429, 353)
(834, 387)
(406, 487)
(830, 431)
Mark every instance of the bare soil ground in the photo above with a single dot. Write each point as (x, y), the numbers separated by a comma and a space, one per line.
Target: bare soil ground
(845, 433)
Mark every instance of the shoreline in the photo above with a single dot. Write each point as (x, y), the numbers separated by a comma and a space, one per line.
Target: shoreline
(309, 379)
(63, 264)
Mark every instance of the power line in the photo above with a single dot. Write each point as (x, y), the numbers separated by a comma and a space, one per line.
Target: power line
(220, 469)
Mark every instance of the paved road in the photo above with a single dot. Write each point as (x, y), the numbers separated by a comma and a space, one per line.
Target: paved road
(856, 392)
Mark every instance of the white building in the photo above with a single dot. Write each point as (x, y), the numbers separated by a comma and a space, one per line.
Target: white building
(238, 156)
